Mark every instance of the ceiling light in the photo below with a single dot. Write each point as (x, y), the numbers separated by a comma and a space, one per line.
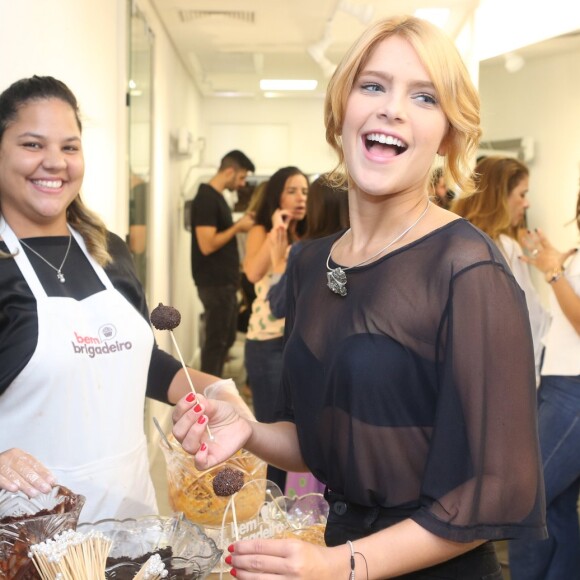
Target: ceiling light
(287, 85)
(436, 16)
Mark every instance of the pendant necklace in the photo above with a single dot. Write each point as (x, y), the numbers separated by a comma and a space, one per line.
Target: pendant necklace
(58, 270)
(336, 277)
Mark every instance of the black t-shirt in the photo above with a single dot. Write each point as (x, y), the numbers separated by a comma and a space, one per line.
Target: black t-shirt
(416, 391)
(222, 267)
(18, 317)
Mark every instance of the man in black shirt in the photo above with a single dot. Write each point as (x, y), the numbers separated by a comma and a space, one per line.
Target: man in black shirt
(215, 262)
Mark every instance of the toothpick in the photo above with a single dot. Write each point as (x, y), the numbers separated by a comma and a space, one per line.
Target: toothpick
(187, 375)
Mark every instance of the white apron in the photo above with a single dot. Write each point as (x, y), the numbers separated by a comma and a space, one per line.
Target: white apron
(78, 404)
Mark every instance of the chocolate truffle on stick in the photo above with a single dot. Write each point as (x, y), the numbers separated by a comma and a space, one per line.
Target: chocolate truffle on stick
(167, 318)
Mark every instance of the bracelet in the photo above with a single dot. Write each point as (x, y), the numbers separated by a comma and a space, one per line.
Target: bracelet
(556, 275)
(352, 561)
(349, 543)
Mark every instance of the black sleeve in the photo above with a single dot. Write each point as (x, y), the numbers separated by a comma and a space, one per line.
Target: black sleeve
(204, 209)
(163, 366)
(483, 475)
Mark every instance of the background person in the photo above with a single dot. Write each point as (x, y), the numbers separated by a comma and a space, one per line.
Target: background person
(398, 393)
(77, 353)
(558, 413)
(439, 192)
(280, 220)
(215, 260)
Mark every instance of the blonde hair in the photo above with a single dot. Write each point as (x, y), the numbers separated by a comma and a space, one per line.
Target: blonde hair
(457, 96)
(495, 178)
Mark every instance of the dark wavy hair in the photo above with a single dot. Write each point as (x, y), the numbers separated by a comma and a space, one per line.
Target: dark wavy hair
(272, 195)
(34, 89)
(326, 208)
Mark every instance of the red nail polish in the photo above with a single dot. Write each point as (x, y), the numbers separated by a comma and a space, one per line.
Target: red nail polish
(234, 572)
(197, 408)
(231, 548)
(201, 420)
(228, 560)
(203, 447)
(190, 398)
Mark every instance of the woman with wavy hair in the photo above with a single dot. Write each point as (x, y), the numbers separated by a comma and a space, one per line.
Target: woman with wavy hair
(397, 391)
(280, 221)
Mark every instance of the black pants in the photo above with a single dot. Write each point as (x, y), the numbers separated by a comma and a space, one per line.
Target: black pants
(220, 304)
(348, 521)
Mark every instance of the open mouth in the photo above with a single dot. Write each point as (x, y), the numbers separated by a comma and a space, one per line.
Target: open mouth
(385, 145)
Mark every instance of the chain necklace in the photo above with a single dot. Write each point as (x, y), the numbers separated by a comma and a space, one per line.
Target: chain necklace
(336, 277)
(58, 270)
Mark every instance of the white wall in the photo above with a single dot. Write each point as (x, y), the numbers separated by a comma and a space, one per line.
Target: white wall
(247, 124)
(541, 101)
(82, 44)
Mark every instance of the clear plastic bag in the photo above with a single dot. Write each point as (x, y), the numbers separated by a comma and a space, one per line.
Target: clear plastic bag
(191, 491)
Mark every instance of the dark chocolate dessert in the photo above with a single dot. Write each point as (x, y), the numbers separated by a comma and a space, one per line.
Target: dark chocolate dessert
(165, 317)
(228, 481)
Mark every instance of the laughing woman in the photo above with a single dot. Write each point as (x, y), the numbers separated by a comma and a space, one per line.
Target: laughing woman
(398, 393)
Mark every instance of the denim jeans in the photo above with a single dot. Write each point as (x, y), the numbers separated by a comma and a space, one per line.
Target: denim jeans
(348, 521)
(220, 304)
(263, 360)
(558, 557)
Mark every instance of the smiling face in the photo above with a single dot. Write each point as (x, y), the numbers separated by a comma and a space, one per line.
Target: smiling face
(393, 124)
(41, 167)
(294, 196)
(517, 201)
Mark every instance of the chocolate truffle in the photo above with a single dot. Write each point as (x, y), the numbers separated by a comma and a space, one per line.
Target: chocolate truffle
(228, 481)
(165, 317)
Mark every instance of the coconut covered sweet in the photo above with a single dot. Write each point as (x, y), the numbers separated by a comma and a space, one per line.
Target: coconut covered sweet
(165, 317)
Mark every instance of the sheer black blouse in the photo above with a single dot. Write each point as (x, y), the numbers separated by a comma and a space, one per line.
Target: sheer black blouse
(18, 319)
(416, 391)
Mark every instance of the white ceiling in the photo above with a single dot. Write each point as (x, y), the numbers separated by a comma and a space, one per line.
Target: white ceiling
(229, 45)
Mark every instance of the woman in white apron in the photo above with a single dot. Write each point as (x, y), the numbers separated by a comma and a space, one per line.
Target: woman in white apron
(77, 353)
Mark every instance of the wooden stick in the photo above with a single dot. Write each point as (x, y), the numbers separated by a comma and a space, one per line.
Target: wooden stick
(187, 374)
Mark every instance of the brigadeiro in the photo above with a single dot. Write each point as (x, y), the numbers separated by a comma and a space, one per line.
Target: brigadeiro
(228, 481)
(165, 317)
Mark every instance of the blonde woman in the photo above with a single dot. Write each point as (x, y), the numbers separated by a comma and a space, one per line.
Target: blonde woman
(398, 393)
(498, 209)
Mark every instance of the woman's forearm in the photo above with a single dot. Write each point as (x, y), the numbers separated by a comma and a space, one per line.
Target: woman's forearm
(277, 444)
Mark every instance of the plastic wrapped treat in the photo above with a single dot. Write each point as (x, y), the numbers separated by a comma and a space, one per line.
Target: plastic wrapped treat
(192, 492)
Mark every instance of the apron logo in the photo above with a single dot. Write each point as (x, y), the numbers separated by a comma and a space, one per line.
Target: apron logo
(101, 344)
(107, 332)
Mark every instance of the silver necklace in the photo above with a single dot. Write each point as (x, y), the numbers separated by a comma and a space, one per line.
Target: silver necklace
(58, 270)
(336, 277)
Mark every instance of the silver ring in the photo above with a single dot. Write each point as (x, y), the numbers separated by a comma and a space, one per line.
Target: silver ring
(535, 252)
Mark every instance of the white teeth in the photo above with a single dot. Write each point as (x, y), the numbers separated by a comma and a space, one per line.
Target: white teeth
(49, 184)
(385, 139)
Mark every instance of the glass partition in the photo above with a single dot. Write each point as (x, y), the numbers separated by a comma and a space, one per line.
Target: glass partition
(139, 102)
